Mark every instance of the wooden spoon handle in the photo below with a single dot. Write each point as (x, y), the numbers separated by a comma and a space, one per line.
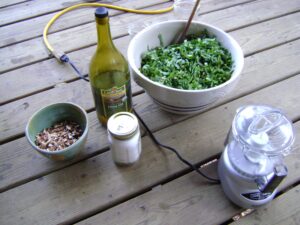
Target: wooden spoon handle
(186, 28)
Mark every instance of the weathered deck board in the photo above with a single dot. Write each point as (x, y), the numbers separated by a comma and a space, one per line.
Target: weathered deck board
(35, 190)
(254, 37)
(28, 29)
(102, 183)
(189, 200)
(48, 73)
(25, 164)
(250, 38)
(68, 40)
(6, 3)
(282, 211)
(78, 92)
(211, 17)
(30, 9)
(261, 66)
(257, 73)
(31, 28)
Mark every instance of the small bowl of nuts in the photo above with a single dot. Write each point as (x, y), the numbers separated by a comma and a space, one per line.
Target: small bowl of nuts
(58, 131)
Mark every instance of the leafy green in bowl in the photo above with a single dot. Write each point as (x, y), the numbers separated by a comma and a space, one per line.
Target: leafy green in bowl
(197, 63)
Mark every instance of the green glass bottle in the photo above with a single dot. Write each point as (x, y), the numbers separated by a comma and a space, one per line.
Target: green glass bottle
(109, 74)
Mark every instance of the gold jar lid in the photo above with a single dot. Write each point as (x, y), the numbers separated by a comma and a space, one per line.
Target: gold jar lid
(122, 125)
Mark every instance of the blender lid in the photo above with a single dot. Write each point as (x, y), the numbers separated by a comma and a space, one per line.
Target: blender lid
(263, 129)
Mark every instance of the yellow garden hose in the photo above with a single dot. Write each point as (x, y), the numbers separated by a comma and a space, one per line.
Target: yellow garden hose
(60, 56)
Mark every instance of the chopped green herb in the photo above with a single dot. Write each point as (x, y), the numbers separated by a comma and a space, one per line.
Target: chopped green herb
(197, 63)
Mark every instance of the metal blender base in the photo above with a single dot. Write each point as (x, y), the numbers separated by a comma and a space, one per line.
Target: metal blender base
(234, 188)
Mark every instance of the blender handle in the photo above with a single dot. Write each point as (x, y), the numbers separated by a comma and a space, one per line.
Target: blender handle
(227, 137)
(280, 172)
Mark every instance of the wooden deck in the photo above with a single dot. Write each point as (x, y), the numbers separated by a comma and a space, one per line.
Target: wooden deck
(158, 189)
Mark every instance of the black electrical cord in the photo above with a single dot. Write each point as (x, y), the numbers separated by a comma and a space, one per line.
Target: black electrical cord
(175, 151)
(66, 59)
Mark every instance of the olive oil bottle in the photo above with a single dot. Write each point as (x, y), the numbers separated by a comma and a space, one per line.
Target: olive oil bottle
(109, 74)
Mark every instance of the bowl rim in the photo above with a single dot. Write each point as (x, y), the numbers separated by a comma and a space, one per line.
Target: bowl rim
(235, 74)
(84, 134)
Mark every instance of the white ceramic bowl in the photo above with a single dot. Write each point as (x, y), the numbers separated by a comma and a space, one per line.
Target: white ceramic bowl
(172, 99)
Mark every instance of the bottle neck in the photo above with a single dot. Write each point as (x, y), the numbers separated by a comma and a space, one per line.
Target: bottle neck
(103, 30)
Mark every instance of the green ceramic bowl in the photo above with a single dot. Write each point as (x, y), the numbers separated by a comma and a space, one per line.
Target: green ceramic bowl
(47, 117)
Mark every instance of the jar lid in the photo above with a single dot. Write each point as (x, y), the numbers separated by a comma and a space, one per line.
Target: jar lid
(263, 129)
(122, 125)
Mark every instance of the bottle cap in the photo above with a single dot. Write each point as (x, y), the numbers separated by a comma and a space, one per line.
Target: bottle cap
(101, 12)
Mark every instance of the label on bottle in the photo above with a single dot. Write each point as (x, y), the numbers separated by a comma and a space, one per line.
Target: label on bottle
(114, 100)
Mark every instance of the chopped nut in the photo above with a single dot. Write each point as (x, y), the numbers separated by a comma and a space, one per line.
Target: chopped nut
(59, 136)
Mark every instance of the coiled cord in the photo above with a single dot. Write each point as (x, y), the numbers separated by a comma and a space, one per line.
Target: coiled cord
(192, 166)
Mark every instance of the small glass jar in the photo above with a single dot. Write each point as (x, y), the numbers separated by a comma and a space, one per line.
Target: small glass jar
(183, 9)
(124, 138)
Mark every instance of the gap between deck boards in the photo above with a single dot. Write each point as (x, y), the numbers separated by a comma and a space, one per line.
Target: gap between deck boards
(167, 180)
(236, 218)
(232, 96)
(177, 122)
(267, 95)
(39, 5)
(282, 189)
(70, 78)
(55, 29)
(12, 3)
(137, 92)
(105, 149)
(249, 21)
